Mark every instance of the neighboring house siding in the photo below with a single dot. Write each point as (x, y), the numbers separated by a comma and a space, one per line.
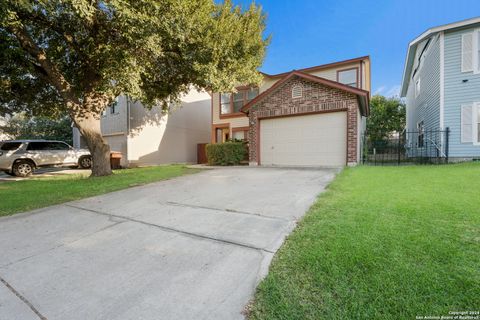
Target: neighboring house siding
(114, 123)
(156, 137)
(426, 106)
(458, 92)
(152, 137)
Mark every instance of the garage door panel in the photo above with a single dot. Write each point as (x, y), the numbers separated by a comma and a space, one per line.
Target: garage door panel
(310, 140)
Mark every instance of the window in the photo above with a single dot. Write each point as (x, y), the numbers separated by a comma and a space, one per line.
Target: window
(297, 91)
(471, 51)
(37, 146)
(477, 122)
(225, 103)
(466, 123)
(238, 100)
(421, 134)
(470, 123)
(47, 146)
(478, 52)
(467, 52)
(348, 77)
(233, 103)
(58, 146)
(114, 106)
(222, 135)
(417, 87)
(10, 146)
(240, 134)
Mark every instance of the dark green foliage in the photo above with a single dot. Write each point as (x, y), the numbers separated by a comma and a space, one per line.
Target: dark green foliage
(387, 115)
(225, 154)
(152, 50)
(22, 127)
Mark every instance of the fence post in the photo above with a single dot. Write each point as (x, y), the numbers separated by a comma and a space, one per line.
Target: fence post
(398, 149)
(447, 132)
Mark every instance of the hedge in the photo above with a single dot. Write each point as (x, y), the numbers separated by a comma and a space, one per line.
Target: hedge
(226, 154)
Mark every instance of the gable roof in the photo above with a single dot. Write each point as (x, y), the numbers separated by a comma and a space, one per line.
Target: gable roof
(319, 67)
(412, 47)
(362, 95)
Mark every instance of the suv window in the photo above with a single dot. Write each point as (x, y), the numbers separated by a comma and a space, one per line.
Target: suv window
(37, 146)
(58, 146)
(10, 146)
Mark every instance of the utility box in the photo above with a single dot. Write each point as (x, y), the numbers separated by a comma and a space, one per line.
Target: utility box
(115, 159)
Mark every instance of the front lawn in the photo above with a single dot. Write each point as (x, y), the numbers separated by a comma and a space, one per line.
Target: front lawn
(381, 243)
(17, 196)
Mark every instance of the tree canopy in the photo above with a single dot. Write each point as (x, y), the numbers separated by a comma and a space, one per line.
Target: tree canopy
(21, 126)
(76, 56)
(387, 115)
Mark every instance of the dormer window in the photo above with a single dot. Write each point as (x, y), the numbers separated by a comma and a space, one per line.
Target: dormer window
(297, 91)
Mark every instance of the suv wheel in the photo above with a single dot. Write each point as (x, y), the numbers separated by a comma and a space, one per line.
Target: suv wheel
(85, 162)
(22, 168)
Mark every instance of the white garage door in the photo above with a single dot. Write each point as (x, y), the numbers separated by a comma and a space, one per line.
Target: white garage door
(311, 140)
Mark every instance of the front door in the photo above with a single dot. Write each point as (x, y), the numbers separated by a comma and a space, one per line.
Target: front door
(222, 135)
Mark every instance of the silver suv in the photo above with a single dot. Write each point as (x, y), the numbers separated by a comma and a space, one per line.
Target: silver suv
(21, 157)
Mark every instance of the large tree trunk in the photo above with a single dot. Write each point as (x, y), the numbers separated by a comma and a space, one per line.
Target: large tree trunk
(89, 126)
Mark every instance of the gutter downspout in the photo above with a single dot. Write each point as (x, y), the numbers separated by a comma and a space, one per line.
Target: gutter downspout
(128, 126)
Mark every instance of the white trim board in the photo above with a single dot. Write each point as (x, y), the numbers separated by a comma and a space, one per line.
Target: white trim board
(442, 81)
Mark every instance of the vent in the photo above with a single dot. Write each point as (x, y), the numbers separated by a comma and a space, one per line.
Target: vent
(297, 91)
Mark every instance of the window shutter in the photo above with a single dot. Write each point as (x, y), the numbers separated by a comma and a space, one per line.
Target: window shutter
(467, 52)
(466, 123)
(476, 55)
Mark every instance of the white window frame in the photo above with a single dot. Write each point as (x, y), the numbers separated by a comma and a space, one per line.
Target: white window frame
(418, 87)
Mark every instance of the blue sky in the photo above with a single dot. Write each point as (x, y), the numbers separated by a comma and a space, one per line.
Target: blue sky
(312, 32)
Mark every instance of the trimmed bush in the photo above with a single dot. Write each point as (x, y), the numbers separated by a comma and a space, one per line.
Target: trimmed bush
(226, 154)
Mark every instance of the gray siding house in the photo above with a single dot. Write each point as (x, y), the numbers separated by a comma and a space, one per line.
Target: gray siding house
(441, 84)
(150, 137)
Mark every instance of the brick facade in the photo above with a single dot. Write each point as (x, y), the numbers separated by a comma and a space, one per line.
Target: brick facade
(316, 98)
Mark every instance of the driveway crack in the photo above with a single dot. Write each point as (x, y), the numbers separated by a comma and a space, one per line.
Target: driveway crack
(24, 300)
(224, 210)
(169, 229)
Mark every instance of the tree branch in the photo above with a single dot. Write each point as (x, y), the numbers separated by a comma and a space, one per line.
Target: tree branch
(53, 74)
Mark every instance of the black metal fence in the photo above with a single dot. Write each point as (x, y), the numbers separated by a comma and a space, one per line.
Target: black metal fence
(408, 147)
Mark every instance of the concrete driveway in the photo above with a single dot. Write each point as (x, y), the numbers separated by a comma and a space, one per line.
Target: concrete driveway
(44, 173)
(194, 247)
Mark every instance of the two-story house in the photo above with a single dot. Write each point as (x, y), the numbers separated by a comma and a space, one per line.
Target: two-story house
(151, 137)
(441, 84)
(308, 117)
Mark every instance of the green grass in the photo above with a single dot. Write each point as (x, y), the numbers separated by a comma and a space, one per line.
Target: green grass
(18, 196)
(381, 243)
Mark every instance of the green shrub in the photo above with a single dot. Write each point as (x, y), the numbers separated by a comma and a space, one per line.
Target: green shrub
(226, 154)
